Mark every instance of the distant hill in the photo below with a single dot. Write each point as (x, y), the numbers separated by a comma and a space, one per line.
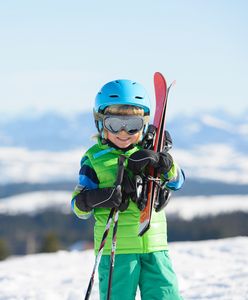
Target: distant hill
(56, 132)
(47, 148)
(49, 131)
(191, 188)
(29, 218)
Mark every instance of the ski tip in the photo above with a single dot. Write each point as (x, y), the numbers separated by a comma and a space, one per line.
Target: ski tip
(158, 74)
(159, 79)
(173, 83)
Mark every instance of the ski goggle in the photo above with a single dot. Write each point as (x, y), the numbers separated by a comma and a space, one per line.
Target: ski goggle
(131, 124)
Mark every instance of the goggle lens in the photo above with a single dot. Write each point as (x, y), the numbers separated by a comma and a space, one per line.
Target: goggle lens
(131, 124)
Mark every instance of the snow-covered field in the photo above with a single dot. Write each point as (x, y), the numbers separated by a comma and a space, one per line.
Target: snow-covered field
(34, 202)
(200, 206)
(23, 165)
(220, 162)
(211, 162)
(183, 207)
(215, 269)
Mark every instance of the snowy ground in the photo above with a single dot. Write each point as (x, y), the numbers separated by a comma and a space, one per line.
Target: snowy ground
(215, 269)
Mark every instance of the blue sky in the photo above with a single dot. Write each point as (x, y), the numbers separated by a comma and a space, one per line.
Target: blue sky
(57, 54)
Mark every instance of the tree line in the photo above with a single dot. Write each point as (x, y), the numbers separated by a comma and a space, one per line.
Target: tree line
(52, 231)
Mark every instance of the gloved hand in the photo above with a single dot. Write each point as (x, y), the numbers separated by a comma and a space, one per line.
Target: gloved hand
(140, 160)
(134, 188)
(128, 186)
(165, 162)
(87, 200)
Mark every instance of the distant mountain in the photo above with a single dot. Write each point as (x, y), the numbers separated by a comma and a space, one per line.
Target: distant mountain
(55, 132)
(49, 131)
(48, 147)
(184, 207)
(191, 188)
(218, 127)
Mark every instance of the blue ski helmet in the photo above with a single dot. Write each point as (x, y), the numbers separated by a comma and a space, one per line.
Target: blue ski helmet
(124, 92)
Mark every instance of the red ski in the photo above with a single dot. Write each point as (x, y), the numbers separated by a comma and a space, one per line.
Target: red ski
(161, 94)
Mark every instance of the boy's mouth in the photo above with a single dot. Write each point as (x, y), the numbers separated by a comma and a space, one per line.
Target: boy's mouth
(123, 139)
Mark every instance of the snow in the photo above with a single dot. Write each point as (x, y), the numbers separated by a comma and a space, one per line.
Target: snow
(217, 123)
(189, 208)
(243, 129)
(214, 162)
(23, 165)
(226, 125)
(184, 207)
(201, 162)
(214, 269)
(34, 202)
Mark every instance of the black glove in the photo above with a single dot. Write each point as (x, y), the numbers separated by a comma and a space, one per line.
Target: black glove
(165, 162)
(87, 200)
(140, 160)
(128, 186)
(135, 187)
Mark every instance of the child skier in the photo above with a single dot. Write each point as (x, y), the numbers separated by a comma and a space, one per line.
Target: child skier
(121, 112)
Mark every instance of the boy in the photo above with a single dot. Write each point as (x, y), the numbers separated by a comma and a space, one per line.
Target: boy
(121, 112)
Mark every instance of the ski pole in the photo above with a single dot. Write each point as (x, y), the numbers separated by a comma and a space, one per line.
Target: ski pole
(113, 247)
(112, 257)
(106, 231)
(99, 253)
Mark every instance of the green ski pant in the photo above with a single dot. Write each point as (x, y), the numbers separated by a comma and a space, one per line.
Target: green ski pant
(151, 272)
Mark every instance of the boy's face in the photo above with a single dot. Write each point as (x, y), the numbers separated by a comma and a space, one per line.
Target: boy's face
(122, 139)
